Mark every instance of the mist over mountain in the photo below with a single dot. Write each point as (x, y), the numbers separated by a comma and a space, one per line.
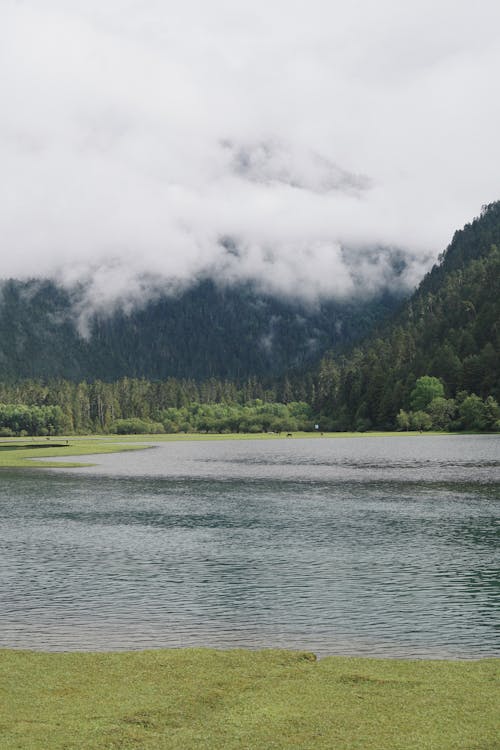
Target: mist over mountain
(229, 331)
(270, 145)
(230, 189)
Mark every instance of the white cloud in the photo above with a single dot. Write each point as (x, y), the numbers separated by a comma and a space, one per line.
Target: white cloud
(134, 137)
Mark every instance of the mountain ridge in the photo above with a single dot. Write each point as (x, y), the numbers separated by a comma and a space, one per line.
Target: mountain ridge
(206, 331)
(449, 329)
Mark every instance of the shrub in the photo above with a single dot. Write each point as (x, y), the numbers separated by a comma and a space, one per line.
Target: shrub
(136, 426)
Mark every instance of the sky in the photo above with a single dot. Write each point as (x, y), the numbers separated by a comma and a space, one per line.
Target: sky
(144, 145)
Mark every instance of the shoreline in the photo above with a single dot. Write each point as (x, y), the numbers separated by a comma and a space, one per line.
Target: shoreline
(57, 653)
(18, 452)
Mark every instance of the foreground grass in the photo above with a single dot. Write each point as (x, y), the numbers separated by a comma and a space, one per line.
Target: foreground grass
(204, 699)
(24, 452)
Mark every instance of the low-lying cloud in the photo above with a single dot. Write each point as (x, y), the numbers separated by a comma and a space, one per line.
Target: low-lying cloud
(301, 146)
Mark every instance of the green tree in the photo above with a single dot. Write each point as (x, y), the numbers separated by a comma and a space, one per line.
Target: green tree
(426, 389)
(473, 413)
(403, 420)
(420, 420)
(492, 414)
(441, 411)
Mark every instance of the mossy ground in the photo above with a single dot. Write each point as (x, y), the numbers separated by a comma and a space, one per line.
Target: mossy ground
(243, 700)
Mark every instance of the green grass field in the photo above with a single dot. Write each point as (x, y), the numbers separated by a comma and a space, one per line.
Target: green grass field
(201, 699)
(273, 436)
(24, 452)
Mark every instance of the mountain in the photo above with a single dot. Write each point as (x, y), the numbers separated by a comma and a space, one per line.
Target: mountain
(449, 330)
(432, 361)
(206, 331)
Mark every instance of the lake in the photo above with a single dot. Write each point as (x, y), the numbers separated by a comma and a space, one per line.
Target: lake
(382, 546)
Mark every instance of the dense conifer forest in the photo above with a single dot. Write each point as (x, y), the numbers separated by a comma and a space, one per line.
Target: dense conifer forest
(205, 331)
(449, 329)
(434, 364)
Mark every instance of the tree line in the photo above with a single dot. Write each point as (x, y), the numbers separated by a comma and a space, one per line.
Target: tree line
(20, 419)
(140, 405)
(133, 406)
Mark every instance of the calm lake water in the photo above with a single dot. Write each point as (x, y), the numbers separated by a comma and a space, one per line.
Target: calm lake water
(371, 546)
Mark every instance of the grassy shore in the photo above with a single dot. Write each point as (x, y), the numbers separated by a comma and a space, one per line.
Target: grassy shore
(243, 700)
(24, 452)
(274, 436)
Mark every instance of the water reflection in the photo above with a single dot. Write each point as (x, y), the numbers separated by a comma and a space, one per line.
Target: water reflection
(214, 544)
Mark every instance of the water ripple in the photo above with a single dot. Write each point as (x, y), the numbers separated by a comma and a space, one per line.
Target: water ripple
(149, 552)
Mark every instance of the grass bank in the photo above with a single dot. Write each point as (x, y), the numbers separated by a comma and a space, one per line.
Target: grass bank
(242, 700)
(181, 436)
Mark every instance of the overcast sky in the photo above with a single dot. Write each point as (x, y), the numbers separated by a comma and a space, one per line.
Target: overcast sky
(246, 139)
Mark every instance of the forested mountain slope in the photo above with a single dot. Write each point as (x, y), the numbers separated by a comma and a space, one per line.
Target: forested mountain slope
(207, 331)
(219, 359)
(449, 329)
